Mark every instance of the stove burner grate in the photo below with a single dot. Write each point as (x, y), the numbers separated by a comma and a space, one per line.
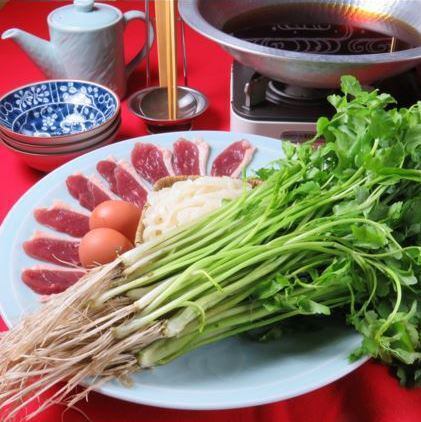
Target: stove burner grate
(278, 92)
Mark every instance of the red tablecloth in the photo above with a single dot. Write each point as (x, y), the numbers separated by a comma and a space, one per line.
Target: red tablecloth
(368, 394)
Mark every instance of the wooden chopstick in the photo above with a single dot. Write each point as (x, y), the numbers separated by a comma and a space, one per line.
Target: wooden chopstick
(167, 51)
(160, 18)
(171, 60)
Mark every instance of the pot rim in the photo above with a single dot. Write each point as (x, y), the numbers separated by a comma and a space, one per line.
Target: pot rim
(190, 13)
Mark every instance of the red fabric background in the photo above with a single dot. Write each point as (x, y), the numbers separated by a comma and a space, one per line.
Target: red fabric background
(368, 394)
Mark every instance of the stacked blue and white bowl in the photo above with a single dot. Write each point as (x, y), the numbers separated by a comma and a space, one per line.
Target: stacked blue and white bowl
(51, 122)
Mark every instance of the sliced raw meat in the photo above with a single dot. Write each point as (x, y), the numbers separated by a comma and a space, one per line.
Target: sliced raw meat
(87, 191)
(129, 185)
(47, 280)
(106, 169)
(48, 248)
(124, 181)
(233, 159)
(190, 157)
(152, 162)
(62, 218)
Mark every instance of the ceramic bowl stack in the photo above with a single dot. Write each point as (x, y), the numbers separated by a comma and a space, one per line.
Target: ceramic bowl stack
(51, 122)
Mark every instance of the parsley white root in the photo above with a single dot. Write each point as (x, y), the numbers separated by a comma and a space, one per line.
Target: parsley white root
(333, 227)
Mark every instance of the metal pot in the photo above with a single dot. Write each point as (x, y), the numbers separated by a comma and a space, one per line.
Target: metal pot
(209, 17)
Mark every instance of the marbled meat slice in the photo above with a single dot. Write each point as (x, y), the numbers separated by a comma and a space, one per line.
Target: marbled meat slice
(47, 279)
(123, 181)
(190, 157)
(46, 247)
(106, 169)
(152, 162)
(87, 191)
(233, 159)
(129, 185)
(62, 218)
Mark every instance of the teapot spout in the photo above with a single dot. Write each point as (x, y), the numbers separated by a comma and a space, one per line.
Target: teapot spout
(39, 50)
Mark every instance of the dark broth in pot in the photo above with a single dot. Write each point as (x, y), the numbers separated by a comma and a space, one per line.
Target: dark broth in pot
(328, 29)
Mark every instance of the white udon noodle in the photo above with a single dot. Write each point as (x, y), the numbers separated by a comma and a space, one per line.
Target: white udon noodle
(185, 202)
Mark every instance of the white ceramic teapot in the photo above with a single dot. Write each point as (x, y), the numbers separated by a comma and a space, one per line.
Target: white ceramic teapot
(86, 42)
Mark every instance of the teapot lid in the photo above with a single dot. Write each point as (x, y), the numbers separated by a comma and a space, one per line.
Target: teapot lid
(83, 15)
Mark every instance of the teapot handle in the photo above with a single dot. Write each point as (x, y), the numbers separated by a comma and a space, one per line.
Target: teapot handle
(129, 16)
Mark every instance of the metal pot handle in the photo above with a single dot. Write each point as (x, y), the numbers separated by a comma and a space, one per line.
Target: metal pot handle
(132, 15)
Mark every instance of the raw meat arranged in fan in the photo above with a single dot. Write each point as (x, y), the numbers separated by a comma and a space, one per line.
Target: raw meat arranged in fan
(47, 280)
(190, 157)
(149, 163)
(123, 181)
(152, 162)
(88, 191)
(46, 247)
(232, 160)
(62, 218)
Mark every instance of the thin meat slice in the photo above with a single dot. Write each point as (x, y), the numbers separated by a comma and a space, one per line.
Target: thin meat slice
(190, 157)
(152, 162)
(88, 191)
(47, 279)
(52, 249)
(123, 181)
(106, 169)
(62, 218)
(129, 185)
(232, 160)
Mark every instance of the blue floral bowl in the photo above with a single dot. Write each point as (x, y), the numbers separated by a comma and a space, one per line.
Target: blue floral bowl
(57, 110)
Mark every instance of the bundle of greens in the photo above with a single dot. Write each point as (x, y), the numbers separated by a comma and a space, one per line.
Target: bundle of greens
(333, 227)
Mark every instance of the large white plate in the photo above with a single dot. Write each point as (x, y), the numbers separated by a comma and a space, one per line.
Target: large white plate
(232, 373)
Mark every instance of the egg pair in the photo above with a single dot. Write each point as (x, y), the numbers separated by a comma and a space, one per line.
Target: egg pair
(113, 226)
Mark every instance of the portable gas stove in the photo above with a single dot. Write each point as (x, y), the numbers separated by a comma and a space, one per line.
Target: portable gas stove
(270, 108)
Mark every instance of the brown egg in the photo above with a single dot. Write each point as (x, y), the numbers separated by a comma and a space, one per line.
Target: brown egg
(118, 215)
(100, 246)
